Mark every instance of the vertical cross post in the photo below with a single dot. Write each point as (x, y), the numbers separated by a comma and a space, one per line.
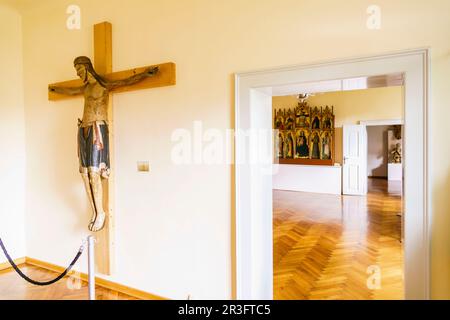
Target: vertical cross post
(103, 65)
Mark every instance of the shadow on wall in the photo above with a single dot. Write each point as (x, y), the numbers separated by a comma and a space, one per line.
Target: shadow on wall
(440, 255)
(379, 172)
(75, 198)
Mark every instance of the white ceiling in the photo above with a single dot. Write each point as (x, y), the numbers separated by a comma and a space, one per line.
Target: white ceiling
(340, 85)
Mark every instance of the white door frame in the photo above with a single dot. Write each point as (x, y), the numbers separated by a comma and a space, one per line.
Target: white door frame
(254, 246)
(386, 122)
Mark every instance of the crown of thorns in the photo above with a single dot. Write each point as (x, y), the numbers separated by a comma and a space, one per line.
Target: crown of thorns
(82, 60)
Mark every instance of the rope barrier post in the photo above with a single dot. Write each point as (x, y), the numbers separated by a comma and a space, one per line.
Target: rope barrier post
(91, 267)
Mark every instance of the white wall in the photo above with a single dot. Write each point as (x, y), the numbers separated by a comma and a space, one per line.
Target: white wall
(318, 179)
(12, 135)
(377, 151)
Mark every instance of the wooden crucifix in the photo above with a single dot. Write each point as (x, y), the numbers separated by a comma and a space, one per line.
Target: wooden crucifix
(95, 135)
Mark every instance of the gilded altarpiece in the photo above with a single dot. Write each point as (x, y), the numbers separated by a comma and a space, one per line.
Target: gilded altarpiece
(305, 135)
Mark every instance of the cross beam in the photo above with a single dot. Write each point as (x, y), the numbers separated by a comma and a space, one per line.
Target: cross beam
(166, 76)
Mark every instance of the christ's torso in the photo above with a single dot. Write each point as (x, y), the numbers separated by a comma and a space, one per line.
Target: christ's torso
(96, 99)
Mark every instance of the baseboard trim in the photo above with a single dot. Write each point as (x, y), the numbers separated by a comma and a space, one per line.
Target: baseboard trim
(99, 281)
(6, 265)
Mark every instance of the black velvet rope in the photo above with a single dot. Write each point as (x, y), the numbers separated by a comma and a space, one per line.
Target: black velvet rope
(38, 283)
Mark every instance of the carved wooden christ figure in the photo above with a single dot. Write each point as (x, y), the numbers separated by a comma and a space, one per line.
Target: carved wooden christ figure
(93, 134)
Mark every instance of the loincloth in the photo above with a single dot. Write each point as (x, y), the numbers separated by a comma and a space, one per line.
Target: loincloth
(93, 148)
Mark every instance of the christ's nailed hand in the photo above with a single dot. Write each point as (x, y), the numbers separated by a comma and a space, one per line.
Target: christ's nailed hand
(51, 88)
(152, 71)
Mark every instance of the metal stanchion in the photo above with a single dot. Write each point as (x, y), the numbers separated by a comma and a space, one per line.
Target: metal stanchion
(91, 267)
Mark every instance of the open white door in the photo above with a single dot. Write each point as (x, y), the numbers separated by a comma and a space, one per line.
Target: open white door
(355, 160)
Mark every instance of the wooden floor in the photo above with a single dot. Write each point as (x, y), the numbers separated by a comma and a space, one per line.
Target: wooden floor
(14, 288)
(324, 244)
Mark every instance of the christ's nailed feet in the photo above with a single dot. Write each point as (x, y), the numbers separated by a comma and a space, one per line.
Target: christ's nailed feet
(98, 223)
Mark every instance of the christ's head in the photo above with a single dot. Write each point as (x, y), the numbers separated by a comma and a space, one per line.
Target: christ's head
(86, 71)
(82, 72)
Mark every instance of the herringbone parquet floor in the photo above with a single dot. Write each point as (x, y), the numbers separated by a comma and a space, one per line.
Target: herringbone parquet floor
(324, 244)
(14, 288)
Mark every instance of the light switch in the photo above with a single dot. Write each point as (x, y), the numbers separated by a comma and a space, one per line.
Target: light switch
(143, 166)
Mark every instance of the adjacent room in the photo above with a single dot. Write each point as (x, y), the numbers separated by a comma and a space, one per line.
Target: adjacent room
(337, 198)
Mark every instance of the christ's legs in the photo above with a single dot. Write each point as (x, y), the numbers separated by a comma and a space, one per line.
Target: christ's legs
(93, 153)
(98, 221)
(87, 186)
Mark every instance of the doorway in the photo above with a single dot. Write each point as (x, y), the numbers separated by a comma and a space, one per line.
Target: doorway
(254, 254)
(333, 242)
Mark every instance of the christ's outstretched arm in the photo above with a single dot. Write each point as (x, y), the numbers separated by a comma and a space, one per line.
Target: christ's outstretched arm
(67, 90)
(150, 72)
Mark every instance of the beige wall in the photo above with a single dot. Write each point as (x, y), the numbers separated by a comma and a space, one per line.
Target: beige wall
(350, 107)
(12, 135)
(174, 226)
